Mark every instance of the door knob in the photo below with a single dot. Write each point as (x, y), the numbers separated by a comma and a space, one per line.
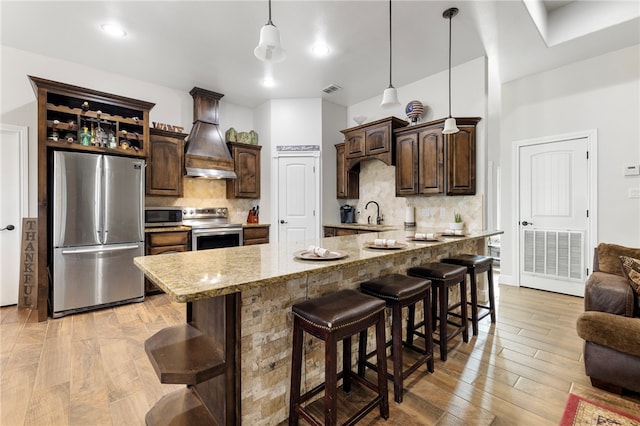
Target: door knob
(283, 221)
(525, 223)
(8, 228)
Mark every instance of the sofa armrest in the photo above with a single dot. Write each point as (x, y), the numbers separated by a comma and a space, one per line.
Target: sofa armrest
(609, 293)
(612, 331)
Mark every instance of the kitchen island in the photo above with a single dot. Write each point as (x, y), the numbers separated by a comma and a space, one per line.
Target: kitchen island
(238, 303)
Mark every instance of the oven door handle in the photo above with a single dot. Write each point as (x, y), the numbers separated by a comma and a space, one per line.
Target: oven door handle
(217, 231)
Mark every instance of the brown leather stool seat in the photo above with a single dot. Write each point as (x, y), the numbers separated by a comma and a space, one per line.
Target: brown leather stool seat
(333, 317)
(475, 265)
(399, 291)
(443, 276)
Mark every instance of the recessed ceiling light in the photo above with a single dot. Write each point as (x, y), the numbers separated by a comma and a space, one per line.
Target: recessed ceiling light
(268, 82)
(114, 30)
(320, 49)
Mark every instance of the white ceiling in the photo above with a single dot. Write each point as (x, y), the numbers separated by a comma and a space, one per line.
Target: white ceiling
(209, 44)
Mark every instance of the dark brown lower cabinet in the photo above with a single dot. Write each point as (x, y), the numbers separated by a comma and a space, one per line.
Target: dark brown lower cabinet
(255, 234)
(161, 242)
(333, 231)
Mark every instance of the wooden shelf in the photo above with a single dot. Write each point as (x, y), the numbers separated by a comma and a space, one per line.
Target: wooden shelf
(94, 114)
(184, 355)
(180, 408)
(63, 144)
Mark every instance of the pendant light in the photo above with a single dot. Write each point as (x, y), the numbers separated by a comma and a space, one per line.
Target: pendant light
(450, 125)
(269, 48)
(390, 95)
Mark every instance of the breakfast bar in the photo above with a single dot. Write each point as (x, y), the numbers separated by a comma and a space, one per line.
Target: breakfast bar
(234, 351)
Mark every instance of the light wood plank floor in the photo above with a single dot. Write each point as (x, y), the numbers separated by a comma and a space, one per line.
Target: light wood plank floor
(91, 368)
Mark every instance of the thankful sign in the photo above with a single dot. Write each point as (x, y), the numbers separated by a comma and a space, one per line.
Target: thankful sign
(29, 264)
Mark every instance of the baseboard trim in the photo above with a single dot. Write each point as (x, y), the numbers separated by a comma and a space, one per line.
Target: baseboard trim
(508, 280)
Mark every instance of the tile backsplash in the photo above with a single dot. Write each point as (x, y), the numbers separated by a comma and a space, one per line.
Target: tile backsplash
(207, 193)
(377, 183)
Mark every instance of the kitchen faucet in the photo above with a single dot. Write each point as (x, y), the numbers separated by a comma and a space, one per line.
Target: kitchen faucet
(378, 217)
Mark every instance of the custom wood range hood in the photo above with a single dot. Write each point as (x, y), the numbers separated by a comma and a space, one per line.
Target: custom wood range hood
(206, 154)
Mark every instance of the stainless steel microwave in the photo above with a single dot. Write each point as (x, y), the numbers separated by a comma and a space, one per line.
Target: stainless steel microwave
(162, 216)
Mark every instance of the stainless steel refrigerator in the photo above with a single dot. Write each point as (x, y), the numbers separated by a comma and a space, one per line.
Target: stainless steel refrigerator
(98, 228)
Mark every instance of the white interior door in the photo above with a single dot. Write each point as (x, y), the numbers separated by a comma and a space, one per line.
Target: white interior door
(298, 217)
(13, 207)
(554, 215)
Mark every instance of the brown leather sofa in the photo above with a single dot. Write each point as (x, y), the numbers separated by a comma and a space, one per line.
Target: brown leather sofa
(610, 324)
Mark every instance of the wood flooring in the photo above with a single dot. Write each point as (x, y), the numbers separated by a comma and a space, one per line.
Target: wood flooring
(91, 368)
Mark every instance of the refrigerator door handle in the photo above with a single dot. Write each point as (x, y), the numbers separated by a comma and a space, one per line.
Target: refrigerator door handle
(99, 200)
(98, 250)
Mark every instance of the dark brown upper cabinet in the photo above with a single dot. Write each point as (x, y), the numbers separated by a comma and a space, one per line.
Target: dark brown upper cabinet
(165, 163)
(431, 163)
(347, 180)
(461, 160)
(372, 140)
(246, 164)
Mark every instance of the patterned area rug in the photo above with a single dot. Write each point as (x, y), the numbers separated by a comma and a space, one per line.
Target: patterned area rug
(583, 412)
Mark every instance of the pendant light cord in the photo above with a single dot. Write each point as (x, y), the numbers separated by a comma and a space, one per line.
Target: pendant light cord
(450, 17)
(270, 23)
(390, 45)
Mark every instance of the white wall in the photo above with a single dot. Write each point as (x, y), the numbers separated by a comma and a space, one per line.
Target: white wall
(283, 122)
(298, 122)
(334, 119)
(18, 101)
(601, 93)
(262, 121)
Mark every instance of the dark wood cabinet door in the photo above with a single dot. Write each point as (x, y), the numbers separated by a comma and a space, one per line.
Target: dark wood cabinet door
(347, 180)
(354, 144)
(163, 243)
(342, 231)
(165, 163)
(255, 235)
(329, 231)
(377, 140)
(246, 160)
(431, 161)
(407, 164)
(461, 161)
(341, 172)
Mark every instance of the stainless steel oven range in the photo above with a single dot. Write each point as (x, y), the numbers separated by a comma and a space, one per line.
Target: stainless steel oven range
(210, 228)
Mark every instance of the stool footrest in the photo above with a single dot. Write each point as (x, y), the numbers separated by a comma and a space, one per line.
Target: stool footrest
(486, 312)
(182, 354)
(180, 408)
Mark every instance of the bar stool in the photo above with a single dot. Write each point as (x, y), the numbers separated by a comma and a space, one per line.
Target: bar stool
(443, 276)
(333, 317)
(475, 265)
(399, 291)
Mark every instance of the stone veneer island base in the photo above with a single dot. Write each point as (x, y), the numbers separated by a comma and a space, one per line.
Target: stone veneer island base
(234, 352)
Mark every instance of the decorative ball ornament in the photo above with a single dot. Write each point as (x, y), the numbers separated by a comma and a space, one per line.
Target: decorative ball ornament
(414, 111)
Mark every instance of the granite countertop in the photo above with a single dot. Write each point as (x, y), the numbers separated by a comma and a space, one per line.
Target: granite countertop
(167, 229)
(364, 226)
(197, 275)
(255, 225)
